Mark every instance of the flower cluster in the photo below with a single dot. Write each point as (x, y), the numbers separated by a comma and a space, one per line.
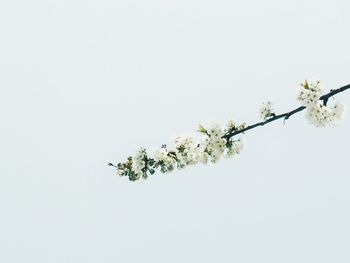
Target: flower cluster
(309, 92)
(136, 167)
(318, 112)
(266, 110)
(188, 150)
(321, 115)
(139, 162)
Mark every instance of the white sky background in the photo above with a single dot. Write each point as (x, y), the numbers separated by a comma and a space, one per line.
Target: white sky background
(87, 82)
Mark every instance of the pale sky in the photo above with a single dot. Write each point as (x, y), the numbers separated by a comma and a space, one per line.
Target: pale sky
(84, 83)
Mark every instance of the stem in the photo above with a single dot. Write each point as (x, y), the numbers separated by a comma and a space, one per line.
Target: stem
(286, 115)
(111, 164)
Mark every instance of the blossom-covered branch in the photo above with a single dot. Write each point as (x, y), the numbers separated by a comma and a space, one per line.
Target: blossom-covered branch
(265, 110)
(216, 140)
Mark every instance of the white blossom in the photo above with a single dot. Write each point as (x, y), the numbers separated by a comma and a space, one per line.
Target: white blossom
(318, 112)
(165, 158)
(138, 162)
(120, 172)
(214, 143)
(235, 148)
(338, 112)
(160, 154)
(321, 115)
(266, 110)
(184, 139)
(309, 92)
(189, 150)
(231, 124)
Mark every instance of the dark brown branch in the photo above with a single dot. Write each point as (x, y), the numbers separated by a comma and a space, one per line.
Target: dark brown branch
(286, 115)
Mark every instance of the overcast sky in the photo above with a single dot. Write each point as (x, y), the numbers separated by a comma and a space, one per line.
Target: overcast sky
(87, 82)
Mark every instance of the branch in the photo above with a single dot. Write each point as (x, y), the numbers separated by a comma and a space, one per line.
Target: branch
(217, 140)
(286, 115)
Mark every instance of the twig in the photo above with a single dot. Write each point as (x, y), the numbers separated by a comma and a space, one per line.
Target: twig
(286, 115)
